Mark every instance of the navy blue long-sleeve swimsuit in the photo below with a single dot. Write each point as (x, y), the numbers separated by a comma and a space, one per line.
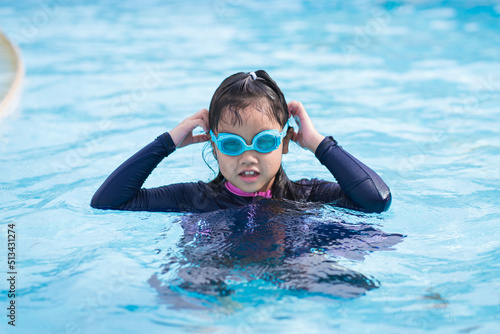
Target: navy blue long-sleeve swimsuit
(358, 186)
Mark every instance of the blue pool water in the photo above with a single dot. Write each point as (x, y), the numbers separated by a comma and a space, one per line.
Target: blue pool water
(412, 88)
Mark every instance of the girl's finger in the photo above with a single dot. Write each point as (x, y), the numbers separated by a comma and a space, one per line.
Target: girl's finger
(200, 138)
(182, 133)
(190, 139)
(201, 115)
(205, 120)
(193, 124)
(292, 108)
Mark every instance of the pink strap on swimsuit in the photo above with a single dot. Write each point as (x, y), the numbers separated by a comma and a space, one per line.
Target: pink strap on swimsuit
(239, 192)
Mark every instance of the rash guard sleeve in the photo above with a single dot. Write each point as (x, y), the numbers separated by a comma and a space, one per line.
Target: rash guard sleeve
(359, 185)
(122, 189)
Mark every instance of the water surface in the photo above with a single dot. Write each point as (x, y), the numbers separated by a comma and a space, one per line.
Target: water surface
(411, 88)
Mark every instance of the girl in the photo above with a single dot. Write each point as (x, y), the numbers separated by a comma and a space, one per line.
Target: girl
(247, 126)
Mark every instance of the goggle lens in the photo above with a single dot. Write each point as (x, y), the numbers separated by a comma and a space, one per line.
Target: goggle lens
(231, 145)
(266, 143)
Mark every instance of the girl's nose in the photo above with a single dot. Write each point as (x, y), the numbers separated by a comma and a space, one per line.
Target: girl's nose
(248, 157)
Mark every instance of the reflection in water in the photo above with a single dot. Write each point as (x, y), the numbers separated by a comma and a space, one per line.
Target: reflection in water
(291, 245)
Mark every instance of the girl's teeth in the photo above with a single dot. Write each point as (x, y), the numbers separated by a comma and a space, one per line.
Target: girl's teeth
(249, 173)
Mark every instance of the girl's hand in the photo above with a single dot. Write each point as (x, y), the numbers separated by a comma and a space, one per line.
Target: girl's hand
(307, 137)
(182, 134)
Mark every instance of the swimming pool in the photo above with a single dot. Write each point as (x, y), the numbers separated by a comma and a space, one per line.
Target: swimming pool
(412, 88)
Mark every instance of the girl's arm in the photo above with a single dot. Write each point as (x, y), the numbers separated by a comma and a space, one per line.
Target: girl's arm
(122, 189)
(124, 184)
(359, 184)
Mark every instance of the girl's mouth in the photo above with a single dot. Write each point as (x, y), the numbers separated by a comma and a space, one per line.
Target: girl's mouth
(249, 176)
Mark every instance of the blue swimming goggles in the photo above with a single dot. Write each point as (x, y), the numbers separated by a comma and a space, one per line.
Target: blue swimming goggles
(264, 142)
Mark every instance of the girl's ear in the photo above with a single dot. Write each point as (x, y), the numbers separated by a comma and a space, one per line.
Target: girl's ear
(286, 140)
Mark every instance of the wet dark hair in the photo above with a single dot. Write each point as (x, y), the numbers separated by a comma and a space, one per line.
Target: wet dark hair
(238, 92)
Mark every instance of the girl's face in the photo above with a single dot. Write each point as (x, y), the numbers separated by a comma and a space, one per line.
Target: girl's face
(251, 171)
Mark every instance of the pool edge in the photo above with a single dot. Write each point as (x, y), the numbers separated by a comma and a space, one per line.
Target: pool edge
(10, 100)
